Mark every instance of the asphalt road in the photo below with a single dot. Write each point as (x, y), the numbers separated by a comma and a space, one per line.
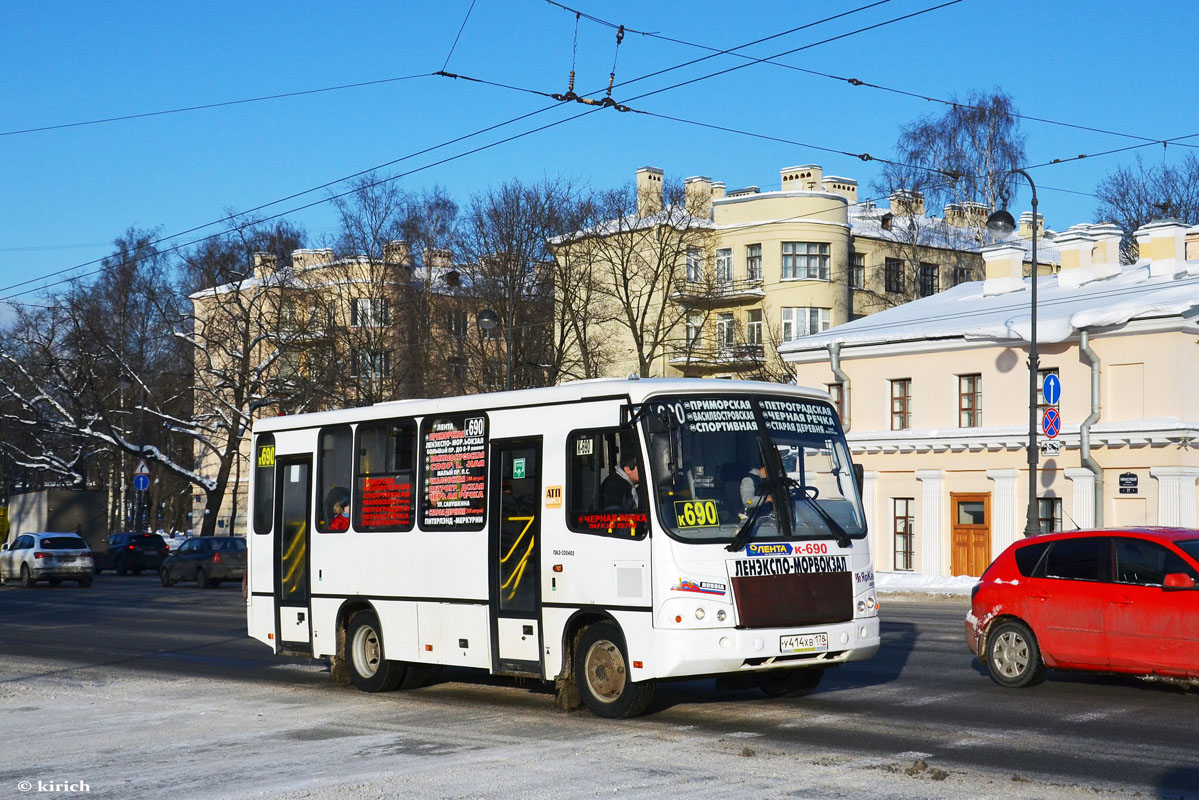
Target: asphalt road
(169, 670)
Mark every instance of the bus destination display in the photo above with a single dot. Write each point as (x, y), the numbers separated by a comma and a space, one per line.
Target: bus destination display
(455, 474)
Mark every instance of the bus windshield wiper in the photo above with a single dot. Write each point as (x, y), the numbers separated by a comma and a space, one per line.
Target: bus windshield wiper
(747, 528)
(839, 533)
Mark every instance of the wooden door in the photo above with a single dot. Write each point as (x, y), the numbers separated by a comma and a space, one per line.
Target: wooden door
(971, 538)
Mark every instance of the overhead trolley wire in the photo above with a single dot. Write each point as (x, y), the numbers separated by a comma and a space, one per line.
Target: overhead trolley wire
(480, 131)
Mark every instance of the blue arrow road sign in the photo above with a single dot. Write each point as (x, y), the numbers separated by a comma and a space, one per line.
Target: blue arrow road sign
(1051, 389)
(141, 482)
(1051, 423)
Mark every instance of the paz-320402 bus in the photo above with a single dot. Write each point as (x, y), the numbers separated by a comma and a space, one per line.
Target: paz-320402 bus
(601, 534)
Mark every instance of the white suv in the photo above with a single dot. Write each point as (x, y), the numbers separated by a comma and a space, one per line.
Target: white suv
(52, 557)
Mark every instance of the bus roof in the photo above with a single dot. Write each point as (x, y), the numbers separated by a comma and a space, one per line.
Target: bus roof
(635, 390)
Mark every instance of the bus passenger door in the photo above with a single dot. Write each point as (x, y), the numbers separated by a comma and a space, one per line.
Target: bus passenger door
(293, 515)
(514, 539)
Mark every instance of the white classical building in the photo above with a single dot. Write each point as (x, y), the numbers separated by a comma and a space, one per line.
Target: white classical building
(934, 396)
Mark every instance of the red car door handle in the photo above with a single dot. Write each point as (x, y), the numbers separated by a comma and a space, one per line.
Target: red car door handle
(1041, 597)
(1121, 601)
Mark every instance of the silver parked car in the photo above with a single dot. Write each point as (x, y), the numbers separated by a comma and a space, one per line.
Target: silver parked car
(52, 557)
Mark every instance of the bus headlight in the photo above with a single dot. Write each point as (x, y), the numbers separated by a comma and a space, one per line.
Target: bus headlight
(699, 613)
(720, 615)
(861, 606)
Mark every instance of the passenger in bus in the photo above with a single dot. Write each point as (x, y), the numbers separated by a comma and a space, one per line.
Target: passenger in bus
(618, 492)
(339, 503)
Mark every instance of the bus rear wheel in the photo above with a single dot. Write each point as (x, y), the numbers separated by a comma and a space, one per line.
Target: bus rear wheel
(601, 669)
(369, 671)
(789, 682)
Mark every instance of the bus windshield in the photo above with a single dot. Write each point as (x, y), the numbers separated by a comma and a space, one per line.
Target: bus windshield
(724, 467)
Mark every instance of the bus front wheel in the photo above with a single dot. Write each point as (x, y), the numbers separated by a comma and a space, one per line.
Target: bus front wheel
(601, 669)
(369, 671)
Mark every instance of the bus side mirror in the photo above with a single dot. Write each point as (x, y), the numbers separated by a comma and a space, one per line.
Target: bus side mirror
(859, 476)
(659, 453)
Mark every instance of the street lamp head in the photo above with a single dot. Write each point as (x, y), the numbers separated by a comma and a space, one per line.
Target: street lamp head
(125, 381)
(1001, 222)
(487, 319)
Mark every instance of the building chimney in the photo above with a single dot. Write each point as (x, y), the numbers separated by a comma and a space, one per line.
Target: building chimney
(304, 259)
(1163, 242)
(265, 264)
(697, 194)
(718, 190)
(1105, 255)
(436, 258)
(801, 179)
(1192, 243)
(1024, 225)
(845, 187)
(1075, 247)
(649, 191)
(1004, 268)
(397, 252)
(907, 203)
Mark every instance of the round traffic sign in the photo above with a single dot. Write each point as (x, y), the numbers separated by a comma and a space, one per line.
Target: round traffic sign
(141, 482)
(1051, 423)
(1051, 389)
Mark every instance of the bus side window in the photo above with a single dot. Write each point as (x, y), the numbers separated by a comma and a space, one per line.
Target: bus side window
(386, 476)
(264, 483)
(605, 484)
(335, 451)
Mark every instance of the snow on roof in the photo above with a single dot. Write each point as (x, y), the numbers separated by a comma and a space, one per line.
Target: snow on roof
(866, 219)
(1063, 309)
(671, 215)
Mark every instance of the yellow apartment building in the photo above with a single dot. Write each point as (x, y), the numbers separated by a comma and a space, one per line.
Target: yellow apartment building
(756, 269)
(322, 332)
(934, 397)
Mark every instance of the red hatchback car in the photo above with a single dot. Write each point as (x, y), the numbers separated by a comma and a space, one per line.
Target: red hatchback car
(1104, 600)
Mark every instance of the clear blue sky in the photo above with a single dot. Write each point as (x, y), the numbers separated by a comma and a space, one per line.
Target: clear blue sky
(65, 194)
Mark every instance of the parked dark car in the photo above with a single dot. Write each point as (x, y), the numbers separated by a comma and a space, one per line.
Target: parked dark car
(132, 552)
(1122, 601)
(207, 560)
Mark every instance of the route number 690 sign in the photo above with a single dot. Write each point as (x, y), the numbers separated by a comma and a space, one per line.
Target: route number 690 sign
(696, 513)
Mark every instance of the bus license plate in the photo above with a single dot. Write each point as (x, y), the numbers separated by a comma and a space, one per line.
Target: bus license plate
(803, 643)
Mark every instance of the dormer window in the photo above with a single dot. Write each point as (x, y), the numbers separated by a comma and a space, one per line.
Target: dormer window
(886, 221)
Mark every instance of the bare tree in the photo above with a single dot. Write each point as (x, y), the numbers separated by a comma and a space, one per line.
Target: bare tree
(640, 256)
(960, 156)
(1133, 197)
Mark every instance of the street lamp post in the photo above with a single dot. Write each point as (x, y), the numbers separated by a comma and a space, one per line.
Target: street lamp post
(1002, 222)
(488, 320)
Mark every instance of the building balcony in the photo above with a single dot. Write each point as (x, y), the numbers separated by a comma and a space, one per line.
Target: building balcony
(737, 354)
(718, 293)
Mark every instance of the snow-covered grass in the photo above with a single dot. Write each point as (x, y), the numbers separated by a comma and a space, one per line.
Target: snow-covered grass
(916, 582)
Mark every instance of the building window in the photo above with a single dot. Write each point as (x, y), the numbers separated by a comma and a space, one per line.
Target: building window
(805, 260)
(493, 376)
(457, 366)
(694, 267)
(1049, 511)
(370, 363)
(1042, 374)
(903, 526)
(962, 275)
(724, 330)
(753, 326)
(837, 390)
(893, 275)
(970, 395)
(724, 265)
(753, 262)
(801, 321)
(459, 324)
(857, 271)
(901, 404)
(930, 282)
(369, 312)
(695, 326)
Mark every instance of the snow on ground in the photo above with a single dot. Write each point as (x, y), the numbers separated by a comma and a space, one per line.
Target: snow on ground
(916, 583)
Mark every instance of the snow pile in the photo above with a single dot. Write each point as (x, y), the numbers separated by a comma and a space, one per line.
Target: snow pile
(928, 584)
